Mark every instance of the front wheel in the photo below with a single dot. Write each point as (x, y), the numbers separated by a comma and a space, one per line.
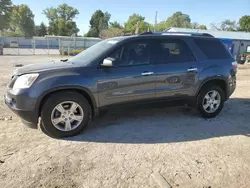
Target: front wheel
(211, 101)
(65, 114)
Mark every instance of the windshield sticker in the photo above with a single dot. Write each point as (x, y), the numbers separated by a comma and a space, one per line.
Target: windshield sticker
(112, 41)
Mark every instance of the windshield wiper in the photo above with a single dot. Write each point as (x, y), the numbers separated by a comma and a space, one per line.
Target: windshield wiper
(64, 60)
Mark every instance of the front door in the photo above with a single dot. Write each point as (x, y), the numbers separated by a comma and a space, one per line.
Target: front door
(131, 78)
(176, 68)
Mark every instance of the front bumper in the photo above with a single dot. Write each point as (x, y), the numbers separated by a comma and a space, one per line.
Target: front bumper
(29, 117)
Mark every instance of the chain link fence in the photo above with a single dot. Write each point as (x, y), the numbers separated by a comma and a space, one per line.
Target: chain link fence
(48, 45)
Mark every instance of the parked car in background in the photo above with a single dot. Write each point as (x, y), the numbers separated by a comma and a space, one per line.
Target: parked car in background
(150, 67)
(14, 44)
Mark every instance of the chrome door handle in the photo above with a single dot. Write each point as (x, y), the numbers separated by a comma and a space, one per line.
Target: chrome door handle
(192, 70)
(147, 73)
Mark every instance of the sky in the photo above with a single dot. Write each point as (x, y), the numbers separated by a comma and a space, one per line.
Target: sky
(201, 11)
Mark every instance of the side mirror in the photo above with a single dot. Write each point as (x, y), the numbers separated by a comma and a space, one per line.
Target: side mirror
(108, 62)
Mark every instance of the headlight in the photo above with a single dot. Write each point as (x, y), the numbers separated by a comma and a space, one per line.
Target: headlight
(25, 81)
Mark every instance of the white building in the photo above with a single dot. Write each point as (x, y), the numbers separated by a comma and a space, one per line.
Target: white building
(240, 40)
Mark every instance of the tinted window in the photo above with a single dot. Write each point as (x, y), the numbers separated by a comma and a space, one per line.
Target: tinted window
(165, 51)
(133, 53)
(93, 52)
(212, 48)
(116, 54)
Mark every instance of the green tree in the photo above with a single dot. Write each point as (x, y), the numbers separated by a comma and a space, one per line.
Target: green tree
(115, 24)
(111, 32)
(43, 29)
(40, 30)
(244, 23)
(22, 20)
(148, 26)
(5, 13)
(161, 26)
(52, 16)
(61, 20)
(36, 30)
(179, 19)
(194, 25)
(93, 32)
(228, 25)
(130, 25)
(202, 27)
(98, 22)
(10, 34)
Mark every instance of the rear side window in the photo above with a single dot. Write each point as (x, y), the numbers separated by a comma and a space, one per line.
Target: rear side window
(171, 51)
(212, 48)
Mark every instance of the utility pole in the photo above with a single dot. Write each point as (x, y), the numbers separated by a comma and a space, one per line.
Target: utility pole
(137, 28)
(155, 21)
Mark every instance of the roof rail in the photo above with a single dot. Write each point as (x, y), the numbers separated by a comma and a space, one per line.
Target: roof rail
(147, 33)
(186, 33)
(176, 33)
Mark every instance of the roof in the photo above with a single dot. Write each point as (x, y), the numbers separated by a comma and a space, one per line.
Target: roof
(217, 34)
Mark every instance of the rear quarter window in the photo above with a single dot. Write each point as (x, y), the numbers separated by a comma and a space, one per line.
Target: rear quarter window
(212, 48)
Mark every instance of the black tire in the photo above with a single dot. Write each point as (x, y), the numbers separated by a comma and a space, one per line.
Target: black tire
(46, 124)
(201, 96)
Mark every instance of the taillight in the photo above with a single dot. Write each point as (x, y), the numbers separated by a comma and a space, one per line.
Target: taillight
(235, 66)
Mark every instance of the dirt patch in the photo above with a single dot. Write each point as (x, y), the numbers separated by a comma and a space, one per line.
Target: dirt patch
(124, 147)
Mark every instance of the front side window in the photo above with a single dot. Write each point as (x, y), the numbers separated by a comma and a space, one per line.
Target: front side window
(171, 51)
(133, 53)
(86, 57)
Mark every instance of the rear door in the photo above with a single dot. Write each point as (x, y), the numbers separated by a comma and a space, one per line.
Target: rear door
(131, 78)
(176, 68)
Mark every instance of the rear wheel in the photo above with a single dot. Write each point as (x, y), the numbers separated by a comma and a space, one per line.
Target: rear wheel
(65, 114)
(211, 101)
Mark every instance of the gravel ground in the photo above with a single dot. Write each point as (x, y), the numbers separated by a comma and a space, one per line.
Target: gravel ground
(125, 147)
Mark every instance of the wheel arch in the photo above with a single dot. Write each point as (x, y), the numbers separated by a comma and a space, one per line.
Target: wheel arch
(219, 81)
(83, 91)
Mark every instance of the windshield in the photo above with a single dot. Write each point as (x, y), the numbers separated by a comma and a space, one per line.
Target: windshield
(93, 52)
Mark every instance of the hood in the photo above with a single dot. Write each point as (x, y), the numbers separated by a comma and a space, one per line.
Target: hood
(36, 68)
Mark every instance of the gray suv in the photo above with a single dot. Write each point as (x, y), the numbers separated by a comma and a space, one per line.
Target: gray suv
(150, 67)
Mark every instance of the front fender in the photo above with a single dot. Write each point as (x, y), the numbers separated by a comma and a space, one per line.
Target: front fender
(48, 84)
